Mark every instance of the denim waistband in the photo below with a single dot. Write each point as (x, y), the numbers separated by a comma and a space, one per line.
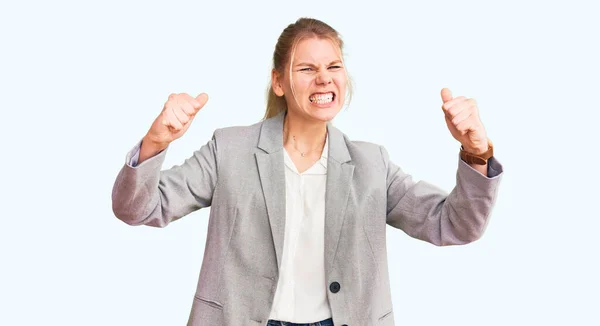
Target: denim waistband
(326, 322)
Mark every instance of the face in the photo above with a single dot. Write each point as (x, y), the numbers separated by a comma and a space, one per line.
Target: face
(318, 78)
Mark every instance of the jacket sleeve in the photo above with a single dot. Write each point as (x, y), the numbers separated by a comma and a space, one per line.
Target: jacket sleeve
(144, 195)
(428, 213)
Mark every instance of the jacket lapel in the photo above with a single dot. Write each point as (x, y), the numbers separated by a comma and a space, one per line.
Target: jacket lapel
(339, 177)
(271, 169)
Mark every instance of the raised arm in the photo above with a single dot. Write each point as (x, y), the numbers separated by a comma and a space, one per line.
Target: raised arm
(143, 194)
(425, 211)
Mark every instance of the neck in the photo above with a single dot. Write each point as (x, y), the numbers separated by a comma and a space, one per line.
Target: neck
(308, 135)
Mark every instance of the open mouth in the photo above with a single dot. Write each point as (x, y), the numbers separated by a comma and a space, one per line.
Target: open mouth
(322, 98)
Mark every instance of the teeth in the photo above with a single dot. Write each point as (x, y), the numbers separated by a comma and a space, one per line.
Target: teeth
(321, 98)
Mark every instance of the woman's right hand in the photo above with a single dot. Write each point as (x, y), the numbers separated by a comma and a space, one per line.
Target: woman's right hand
(175, 118)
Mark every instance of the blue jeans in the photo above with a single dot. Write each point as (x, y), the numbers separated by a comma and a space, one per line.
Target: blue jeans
(326, 322)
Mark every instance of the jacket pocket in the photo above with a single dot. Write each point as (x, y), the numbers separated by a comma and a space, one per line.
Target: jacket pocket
(385, 316)
(212, 303)
(206, 312)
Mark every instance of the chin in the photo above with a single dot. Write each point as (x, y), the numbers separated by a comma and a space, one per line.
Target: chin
(324, 115)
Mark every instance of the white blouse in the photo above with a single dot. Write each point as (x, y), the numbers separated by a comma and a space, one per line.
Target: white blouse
(301, 294)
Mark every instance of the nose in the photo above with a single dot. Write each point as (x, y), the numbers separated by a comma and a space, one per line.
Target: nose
(323, 78)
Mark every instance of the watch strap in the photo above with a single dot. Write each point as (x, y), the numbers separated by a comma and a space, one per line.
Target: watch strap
(480, 159)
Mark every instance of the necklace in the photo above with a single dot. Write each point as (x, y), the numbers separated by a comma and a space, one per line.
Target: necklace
(303, 154)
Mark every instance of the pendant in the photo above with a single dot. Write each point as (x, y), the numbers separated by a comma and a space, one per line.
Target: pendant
(302, 154)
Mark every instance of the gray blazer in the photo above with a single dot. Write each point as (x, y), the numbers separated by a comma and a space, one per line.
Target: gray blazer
(239, 173)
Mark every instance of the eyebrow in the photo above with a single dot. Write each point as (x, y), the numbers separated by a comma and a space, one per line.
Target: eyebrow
(312, 65)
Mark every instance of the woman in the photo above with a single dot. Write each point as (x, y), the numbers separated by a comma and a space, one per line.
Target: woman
(299, 211)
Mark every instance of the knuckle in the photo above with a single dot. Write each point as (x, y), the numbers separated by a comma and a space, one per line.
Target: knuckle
(177, 113)
(171, 104)
(186, 108)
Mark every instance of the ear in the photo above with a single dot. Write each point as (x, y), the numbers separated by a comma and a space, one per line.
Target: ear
(276, 83)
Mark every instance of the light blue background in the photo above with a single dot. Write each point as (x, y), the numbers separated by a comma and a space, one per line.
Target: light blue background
(81, 82)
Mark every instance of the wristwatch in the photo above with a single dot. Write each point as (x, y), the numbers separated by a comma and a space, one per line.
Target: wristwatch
(479, 159)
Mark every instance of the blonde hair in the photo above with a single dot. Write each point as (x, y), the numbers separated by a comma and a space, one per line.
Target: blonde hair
(284, 54)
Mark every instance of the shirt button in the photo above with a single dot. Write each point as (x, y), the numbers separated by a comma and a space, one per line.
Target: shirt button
(334, 287)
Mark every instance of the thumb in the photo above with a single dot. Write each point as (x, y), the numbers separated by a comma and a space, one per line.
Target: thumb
(202, 99)
(446, 95)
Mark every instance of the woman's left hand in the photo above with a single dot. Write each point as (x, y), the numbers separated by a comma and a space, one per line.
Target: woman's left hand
(462, 118)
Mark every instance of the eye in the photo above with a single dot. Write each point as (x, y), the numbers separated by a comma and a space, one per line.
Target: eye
(305, 69)
(335, 67)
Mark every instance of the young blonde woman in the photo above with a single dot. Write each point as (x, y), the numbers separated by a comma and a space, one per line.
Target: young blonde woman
(297, 229)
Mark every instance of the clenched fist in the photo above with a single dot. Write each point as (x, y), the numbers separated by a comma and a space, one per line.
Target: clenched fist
(462, 119)
(175, 118)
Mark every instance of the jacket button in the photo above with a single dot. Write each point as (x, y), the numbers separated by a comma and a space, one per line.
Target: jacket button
(334, 287)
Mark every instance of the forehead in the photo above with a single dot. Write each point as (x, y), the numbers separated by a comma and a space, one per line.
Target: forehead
(316, 50)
